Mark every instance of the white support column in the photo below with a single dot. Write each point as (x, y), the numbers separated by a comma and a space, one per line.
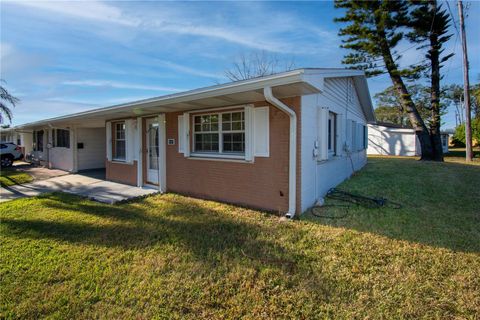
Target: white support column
(140, 152)
(162, 168)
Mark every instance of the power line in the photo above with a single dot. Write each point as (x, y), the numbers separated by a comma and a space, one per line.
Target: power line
(453, 19)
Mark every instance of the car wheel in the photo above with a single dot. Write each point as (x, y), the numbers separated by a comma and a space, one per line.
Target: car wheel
(6, 162)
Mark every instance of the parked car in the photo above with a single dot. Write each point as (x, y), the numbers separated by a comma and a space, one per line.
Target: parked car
(9, 152)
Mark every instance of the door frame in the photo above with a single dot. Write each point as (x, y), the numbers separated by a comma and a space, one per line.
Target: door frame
(161, 186)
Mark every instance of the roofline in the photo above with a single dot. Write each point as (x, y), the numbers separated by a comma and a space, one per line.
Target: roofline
(283, 78)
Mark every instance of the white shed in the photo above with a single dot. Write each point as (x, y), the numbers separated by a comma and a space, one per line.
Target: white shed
(395, 140)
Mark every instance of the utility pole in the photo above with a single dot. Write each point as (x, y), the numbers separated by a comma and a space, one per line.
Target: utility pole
(466, 86)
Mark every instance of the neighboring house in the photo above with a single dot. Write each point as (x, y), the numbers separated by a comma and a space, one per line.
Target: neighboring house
(277, 142)
(20, 138)
(395, 140)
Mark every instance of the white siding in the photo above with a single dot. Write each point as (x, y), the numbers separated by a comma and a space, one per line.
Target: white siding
(93, 154)
(339, 96)
(27, 142)
(391, 141)
(59, 157)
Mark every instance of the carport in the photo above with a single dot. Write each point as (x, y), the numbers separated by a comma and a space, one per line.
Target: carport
(72, 146)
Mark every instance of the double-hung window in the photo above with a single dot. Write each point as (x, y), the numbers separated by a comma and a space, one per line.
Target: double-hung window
(119, 144)
(219, 133)
(332, 133)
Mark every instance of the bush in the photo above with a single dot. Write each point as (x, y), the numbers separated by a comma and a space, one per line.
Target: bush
(459, 135)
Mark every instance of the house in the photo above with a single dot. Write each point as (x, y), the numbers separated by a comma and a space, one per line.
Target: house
(277, 142)
(395, 140)
(18, 137)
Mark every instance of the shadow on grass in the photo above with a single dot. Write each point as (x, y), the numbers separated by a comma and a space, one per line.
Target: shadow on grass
(460, 153)
(439, 201)
(200, 230)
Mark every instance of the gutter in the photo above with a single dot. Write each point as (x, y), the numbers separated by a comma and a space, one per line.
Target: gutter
(292, 163)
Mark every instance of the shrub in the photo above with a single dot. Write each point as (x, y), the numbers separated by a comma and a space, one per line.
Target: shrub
(459, 135)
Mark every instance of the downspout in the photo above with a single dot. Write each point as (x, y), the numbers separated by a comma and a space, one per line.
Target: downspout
(292, 163)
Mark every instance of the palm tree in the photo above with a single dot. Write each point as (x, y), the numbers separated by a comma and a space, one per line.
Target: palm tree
(6, 99)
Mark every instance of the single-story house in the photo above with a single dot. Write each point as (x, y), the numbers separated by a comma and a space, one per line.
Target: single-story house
(277, 142)
(396, 140)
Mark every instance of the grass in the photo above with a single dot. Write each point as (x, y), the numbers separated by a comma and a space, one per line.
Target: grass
(170, 256)
(10, 177)
(458, 155)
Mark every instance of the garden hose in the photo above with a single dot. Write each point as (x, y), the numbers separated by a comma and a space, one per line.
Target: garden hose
(356, 199)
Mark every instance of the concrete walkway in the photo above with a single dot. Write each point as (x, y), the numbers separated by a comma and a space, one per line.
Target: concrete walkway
(93, 188)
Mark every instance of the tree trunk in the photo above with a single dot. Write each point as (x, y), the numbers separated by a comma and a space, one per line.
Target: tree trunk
(406, 101)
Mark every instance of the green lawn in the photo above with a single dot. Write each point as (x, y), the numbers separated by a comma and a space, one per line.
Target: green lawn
(10, 177)
(175, 257)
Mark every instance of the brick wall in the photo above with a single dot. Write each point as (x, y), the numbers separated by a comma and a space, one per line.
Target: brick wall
(262, 184)
(121, 172)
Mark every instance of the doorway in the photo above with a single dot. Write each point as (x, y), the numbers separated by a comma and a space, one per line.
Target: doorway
(153, 172)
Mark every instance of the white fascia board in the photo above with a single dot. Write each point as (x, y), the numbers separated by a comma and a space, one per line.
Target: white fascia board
(313, 77)
(196, 94)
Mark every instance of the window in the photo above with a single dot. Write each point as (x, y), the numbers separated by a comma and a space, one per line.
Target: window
(119, 144)
(353, 141)
(220, 133)
(61, 138)
(332, 133)
(19, 141)
(38, 140)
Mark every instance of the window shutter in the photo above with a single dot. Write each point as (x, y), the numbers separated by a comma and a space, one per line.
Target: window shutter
(261, 129)
(181, 135)
(359, 136)
(109, 140)
(129, 140)
(138, 141)
(249, 133)
(186, 134)
(348, 138)
(323, 133)
(353, 139)
(340, 139)
(365, 137)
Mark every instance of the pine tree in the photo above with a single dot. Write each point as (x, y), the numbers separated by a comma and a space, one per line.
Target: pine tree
(429, 24)
(372, 32)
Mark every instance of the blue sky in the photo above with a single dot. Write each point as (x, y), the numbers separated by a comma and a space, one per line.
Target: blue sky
(64, 57)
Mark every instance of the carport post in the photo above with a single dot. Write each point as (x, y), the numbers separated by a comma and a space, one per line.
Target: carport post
(73, 143)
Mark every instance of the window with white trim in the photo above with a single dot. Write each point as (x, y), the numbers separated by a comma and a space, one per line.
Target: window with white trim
(332, 133)
(61, 138)
(219, 133)
(119, 143)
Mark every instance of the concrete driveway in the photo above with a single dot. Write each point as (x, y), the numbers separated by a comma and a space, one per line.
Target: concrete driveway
(87, 185)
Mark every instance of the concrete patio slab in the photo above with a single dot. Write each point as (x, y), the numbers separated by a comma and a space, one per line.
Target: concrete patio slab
(37, 172)
(93, 188)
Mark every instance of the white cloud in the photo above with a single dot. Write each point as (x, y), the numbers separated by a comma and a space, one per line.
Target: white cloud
(119, 85)
(188, 70)
(91, 10)
(174, 20)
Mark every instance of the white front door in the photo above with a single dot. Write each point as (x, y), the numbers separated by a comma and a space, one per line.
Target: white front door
(153, 151)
